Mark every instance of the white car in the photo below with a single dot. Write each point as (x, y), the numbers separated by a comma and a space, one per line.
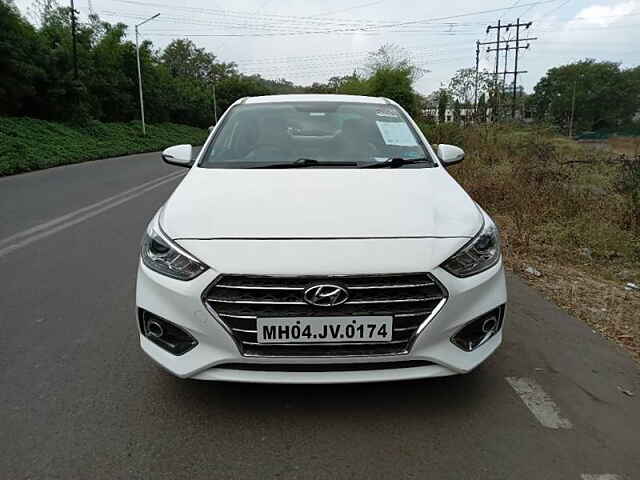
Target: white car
(319, 239)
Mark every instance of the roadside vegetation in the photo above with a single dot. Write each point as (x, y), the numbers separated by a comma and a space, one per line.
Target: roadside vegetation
(569, 216)
(37, 77)
(94, 115)
(29, 144)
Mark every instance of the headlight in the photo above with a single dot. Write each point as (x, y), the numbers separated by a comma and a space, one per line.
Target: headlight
(481, 253)
(164, 256)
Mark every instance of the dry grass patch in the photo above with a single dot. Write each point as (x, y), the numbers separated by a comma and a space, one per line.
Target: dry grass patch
(570, 211)
(627, 145)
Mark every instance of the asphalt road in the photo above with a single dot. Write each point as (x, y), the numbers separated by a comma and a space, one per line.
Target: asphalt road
(79, 400)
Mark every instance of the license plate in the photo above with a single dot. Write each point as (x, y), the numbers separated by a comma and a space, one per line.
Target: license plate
(325, 329)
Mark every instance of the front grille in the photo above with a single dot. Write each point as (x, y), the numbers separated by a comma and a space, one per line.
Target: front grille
(238, 300)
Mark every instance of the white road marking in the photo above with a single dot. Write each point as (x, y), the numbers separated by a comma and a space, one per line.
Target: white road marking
(51, 223)
(539, 403)
(600, 476)
(27, 237)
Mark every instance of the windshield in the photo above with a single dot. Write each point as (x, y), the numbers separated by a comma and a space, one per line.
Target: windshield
(313, 134)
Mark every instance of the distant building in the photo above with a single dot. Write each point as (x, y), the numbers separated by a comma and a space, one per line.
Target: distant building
(467, 115)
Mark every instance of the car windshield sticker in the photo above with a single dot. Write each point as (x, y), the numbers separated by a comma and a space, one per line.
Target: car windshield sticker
(387, 112)
(396, 133)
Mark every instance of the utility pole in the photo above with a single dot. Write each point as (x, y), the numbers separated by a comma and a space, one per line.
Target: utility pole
(504, 76)
(475, 91)
(573, 105)
(515, 72)
(498, 28)
(478, 45)
(506, 52)
(144, 129)
(515, 67)
(73, 34)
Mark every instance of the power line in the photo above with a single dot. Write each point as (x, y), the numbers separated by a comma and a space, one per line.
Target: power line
(554, 9)
(362, 28)
(276, 30)
(282, 29)
(348, 9)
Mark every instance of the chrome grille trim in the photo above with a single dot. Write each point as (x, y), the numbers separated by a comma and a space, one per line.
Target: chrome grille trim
(415, 314)
(355, 302)
(242, 330)
(244, 287)
(403, 300)
(403, 329)
(414, 285)
(251, 317)
(237, 301)
(253, 302)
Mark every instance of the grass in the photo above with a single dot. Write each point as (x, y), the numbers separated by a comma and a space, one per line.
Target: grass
(569, 210)
(29, 144)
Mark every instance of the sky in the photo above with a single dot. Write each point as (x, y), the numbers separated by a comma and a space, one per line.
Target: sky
(308, 41)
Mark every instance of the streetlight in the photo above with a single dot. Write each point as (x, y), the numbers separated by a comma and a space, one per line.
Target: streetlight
(144, 130)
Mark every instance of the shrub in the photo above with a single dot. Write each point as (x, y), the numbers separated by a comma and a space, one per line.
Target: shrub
(29, 144)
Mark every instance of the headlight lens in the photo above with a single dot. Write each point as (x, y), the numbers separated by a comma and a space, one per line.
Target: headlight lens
(481, 253)
(159, 253)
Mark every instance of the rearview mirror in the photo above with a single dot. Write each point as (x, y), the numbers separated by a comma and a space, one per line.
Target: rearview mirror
(178, 155)
(449, 154)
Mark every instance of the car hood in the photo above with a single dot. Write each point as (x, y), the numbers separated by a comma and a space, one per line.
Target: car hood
(319, 203)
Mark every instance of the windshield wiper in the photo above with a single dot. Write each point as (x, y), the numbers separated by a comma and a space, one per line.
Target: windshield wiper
(306, 163)
(396, 162)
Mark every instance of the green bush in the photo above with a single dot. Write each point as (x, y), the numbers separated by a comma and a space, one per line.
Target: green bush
(29, 144)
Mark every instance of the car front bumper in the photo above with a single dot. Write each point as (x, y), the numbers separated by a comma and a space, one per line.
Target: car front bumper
(217, 356)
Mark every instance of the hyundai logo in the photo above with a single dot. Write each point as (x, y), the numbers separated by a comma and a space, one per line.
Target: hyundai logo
(326, 295)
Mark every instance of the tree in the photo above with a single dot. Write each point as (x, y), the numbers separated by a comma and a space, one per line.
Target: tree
(183, 59)
(395, 84)
(20, 66)
(605, 96)
(392, 75)
(393, 57)
(37, 78)
(456, 111)
(482, 109)
(462, 85)
(442, 105)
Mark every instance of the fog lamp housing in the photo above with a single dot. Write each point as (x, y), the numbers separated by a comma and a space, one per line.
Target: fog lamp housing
(479, 330)
(165, 334)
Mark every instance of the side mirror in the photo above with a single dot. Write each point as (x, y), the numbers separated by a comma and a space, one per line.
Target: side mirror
(449, 154)
(178, 155)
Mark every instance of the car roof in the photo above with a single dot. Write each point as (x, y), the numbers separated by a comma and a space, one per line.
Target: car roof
(314, 97)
